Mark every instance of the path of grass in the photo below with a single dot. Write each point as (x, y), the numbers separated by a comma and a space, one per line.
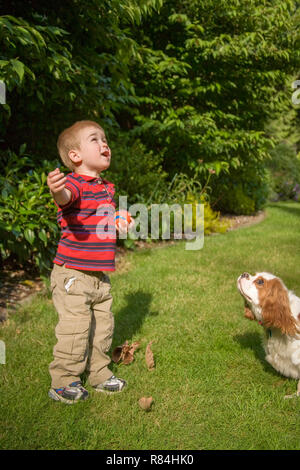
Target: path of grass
(211, 385)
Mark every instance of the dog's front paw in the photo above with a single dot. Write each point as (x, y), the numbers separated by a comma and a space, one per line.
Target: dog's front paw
(249, 314)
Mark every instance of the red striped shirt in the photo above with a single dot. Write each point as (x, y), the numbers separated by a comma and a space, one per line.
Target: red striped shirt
(88, 237)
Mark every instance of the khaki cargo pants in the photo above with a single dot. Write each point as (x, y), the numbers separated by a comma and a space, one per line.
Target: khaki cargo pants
(85, 327)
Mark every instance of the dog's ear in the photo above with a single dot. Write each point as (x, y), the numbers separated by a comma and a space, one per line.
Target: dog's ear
(249, 314)
(276, 310)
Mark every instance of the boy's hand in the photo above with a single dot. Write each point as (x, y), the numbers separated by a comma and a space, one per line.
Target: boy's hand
(127, 227)
(56, 181)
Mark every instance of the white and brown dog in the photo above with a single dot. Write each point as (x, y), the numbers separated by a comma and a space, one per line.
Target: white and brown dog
(277, 309)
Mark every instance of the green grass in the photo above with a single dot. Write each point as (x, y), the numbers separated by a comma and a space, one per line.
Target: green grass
(212, 388)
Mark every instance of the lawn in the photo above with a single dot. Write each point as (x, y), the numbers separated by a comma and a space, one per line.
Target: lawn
(211, 386)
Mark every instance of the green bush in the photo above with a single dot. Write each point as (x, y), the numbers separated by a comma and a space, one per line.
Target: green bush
(237, 202)
(135, 171)
(213, 75)
(28, 228)
(284, 168)
(243, 192)
(184, 189)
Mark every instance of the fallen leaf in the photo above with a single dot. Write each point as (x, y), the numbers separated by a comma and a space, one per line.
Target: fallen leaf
(145, 403)
(134, 346)
(129, 354)
(149, 356)
(125, 353)
(116, 354)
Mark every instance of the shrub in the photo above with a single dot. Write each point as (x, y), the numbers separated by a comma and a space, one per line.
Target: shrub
(184, 189)
(284, 170)
(237, 202)
(135, 171)
(243, 192)
(28, 228)
(212, 221)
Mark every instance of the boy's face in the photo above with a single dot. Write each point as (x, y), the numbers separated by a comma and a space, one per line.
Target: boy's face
(94, 154)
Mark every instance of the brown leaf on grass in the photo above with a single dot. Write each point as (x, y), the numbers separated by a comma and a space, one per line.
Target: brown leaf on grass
(126, 356)
(149, 356)
(134, 346)
(145, 403)
(116, 354)
(125, 353)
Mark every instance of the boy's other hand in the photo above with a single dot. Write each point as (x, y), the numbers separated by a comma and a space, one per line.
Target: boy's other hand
(56, 181)
(125, 229)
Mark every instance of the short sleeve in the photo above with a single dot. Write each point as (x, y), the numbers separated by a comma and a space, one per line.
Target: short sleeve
(74, 186)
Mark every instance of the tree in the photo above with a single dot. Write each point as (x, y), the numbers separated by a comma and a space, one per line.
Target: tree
(214, 74)
(64, 61)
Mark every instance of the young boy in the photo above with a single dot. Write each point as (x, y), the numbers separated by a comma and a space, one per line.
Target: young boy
(80, 286)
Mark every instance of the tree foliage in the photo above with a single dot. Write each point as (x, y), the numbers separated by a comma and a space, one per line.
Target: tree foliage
(184, 89)
(214, 74)
(65, 61)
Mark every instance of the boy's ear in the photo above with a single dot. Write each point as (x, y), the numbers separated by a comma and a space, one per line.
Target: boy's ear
(74, 156)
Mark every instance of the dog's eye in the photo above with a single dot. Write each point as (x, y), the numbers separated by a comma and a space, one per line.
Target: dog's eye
(260, 282)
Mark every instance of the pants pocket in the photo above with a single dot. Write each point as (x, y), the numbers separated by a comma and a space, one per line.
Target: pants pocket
(72, 338)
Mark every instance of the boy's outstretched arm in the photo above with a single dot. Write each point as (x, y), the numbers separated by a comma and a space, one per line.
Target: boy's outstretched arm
(56, 181)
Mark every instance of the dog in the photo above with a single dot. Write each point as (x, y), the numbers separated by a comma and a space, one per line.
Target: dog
(277, 309)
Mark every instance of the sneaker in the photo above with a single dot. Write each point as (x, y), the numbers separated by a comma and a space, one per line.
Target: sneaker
(71, 394)
(111, 385)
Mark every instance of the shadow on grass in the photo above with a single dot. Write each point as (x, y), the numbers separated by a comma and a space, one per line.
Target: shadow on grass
(253, 341)
(291, 209)
(129, 320)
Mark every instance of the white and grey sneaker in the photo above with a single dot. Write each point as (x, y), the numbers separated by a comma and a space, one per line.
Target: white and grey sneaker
(112, 385)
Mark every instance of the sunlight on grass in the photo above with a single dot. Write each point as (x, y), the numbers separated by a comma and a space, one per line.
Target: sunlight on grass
(211, 386)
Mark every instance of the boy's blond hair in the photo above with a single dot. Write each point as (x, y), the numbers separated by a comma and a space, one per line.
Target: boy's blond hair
(69, 139)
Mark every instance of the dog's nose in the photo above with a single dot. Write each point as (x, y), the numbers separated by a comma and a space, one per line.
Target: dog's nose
(245, 275)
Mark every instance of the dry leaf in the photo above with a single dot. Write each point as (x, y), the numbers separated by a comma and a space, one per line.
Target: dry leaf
(125, 353)
(116, 354)
(145, 403)
(149, 356)
(128, 356)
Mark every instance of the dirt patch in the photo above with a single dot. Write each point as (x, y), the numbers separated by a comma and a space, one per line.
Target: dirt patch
(237, 221)
(15, 287)
(18, 286)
